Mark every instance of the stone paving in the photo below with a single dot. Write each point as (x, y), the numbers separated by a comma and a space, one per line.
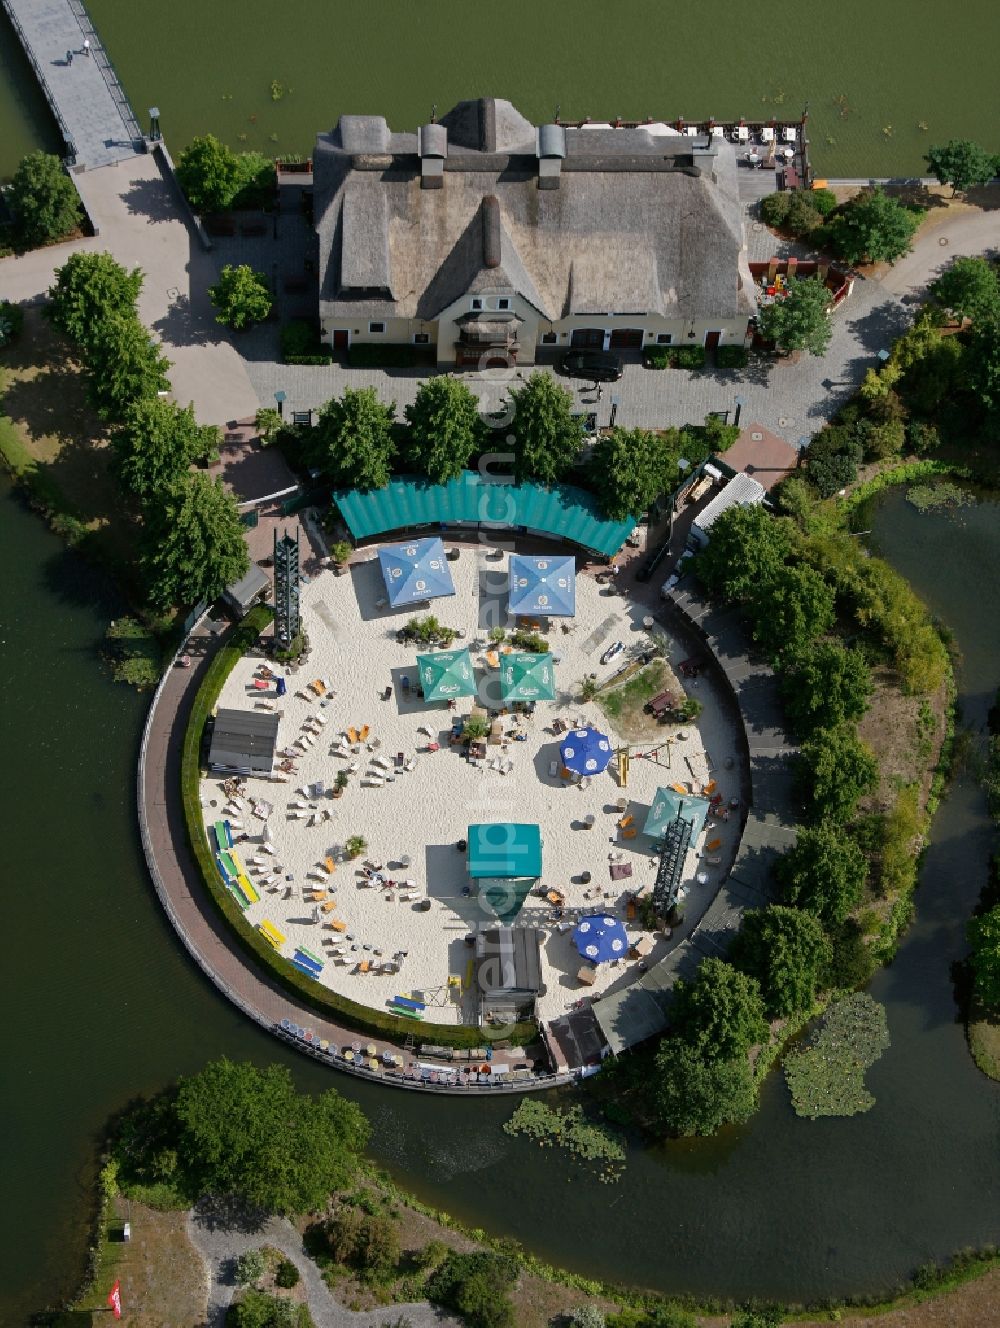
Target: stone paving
(83, 89)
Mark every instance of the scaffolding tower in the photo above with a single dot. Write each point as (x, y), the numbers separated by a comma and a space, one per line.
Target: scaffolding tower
(673, 851)
(287, 615)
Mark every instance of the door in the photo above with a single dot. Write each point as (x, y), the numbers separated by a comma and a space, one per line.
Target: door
(712, 339)
(588, 338)
(340, 338)
(626, 338)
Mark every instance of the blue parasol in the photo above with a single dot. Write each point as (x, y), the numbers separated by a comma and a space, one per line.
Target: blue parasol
(586, 751)
(600, 938)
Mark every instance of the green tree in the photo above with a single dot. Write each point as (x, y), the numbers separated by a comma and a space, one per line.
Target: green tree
(825, 685)
(353, 439)
(629, 469)
(692, 1094)
(89, 289)
(719, 1012)
(250, 1267)
(157, 444)
(786, 950)
(193, 543)
(259, 1309)
(982, 360)
(837, 770)
(984, 938)
(43, 199)
(960, 163)
(267, 422)
(477, 1286)
(747, 548)
(241, 296)
(125, 366)
(970, 288)
(546, 437)
(11, 322)
(445, 428)
(800, 321)
(213, 176)
(823, 872)
(247, 1132)
(873, 226)
(794, 608)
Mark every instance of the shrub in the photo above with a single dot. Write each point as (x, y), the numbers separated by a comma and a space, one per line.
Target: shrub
(477, 1286)
(823, 200)
(300, 344)
(384, 356)
(215, 178)
(586, 1316)
(355, 846)
(774, 208)
(731, 357)
(984, 939)
(43, 199)
(688, 357)
(11, 322)
(656, 357)
(250, 1267)
(286, 1275)
(801, 217)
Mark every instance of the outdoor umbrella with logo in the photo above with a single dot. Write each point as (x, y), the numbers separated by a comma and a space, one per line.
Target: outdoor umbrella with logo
(599, 938)
(586, 751)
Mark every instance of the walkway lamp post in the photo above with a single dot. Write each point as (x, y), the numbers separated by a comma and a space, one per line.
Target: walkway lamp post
(280, 397)
(739, 407)
(615, 403)
(154, 124)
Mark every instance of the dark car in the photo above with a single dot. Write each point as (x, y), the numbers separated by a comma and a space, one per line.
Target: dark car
(600, 366)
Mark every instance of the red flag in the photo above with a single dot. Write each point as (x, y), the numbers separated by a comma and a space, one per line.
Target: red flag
(115, 1299)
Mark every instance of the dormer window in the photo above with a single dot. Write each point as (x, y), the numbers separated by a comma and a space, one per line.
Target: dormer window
(477, 303)
(503, 302)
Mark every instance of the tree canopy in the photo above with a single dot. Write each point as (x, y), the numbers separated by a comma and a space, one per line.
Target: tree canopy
(476, 1284)
(247, 1132)
(156, 445)
(719, 1012)
(984, 939)
(213, 176)
(982, 362)
(629, 469)
(241, 296)
(825, 685)
(126, 366)
(445, 428)
(691, 1094)
(546, 437)
(747, 547)
(970, 287)
(797, 607)
(193, 543)
(837, 769)
(353, 439)
(961, 163)
(89, 289)
(800, 321)
(824, 872)
(871, 227)
(786, 950)
(43, 199)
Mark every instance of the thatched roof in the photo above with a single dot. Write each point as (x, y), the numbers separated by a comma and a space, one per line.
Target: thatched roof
(638, 222)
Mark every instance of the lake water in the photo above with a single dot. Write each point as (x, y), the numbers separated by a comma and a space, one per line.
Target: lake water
(873, 75)
(100, 1003)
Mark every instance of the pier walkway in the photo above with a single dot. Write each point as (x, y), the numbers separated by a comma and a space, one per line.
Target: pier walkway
(83, 91)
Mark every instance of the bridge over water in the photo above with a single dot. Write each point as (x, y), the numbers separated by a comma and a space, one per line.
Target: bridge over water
(97, 123)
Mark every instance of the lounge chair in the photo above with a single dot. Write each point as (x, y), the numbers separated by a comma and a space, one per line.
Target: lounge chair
(363, 733)
(709, 788)
(329, 906)
(713, 844)
(330, 865)
(630, 833)
(271, 933)
(352, 737)
(625, 822)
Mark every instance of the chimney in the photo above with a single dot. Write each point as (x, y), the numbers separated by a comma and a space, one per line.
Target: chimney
(432, 142)
(551, 149)
(703, 154)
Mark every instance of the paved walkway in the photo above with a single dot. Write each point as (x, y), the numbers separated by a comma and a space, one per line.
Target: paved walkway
(219, 1247)
(82, 90)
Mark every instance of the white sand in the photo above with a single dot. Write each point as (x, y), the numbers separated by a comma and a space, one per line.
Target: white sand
(423, 813)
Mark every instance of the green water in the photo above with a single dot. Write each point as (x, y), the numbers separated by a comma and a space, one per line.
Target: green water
(100, 1003)
(872, 74)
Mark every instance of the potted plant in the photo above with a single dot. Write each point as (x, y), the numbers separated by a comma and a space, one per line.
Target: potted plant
(497, 634)
(355, 846)
(340, 552)
(340, 783)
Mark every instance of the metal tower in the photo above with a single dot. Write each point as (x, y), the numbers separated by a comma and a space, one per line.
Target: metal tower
(287, 618)
(673, 851)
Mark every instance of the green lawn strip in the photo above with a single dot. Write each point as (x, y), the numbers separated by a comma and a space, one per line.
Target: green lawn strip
(327, 1003)
(636, 692)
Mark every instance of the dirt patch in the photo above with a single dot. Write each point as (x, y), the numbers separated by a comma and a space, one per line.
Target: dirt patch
(162, 1275)
(624, 703)
(905, 733)
(972, 1305)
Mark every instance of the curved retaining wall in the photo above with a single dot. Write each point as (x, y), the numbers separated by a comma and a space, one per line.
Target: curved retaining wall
(206, 937)
(634, 1013)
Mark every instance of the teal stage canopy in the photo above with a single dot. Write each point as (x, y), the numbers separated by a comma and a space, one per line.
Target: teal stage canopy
(668, 805)
(505, 861)
(561, 510)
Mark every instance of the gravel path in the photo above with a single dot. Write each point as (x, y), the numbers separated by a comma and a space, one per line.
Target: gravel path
(220, 1246)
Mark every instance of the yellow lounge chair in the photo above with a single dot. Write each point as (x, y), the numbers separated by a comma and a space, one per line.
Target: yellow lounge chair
(337, 924)
(630, 833)
(317, 686)
(713, 844)
(364, 966)
(329, 864)
(709, 788)
(678, 788)
(625, 822)
(271, 933)
(247, 890)
(352, 737)
(329, 906)
(363, 733)
(492, 659)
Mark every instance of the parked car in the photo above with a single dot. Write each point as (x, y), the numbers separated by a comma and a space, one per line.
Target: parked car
(611, 652)
(600, 366)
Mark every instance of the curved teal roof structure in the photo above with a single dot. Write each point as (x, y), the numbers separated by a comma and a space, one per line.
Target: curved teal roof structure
(561, 511)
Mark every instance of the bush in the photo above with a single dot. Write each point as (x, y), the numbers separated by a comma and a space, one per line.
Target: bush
(11, 322)
(367, 355)
(476, 1285)
(44, 200)
(823, 200)
(286, 1275)
(656, 357)
(214, 178)
(731, 357)
(774, 208)
(586, 1316)
(250, 1267)
(300, 344)
(688, 357)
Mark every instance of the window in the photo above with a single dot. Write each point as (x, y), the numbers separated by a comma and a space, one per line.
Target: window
(503, 302)
(477, 303)
(376, 327)
(549, 338)
(421, 338)
(664, 338)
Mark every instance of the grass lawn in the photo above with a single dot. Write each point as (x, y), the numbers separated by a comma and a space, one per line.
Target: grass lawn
(53, 441)
(623, 705)
(984, 1043)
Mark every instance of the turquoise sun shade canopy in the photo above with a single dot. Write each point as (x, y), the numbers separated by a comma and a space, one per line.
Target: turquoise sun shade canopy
(446, 674)
(668, 805)
(505, 849)
(527, 677)
(542, 585)
(473, 501)
(415, 572)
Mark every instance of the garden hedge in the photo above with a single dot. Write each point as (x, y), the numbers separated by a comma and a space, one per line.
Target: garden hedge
(325, 1002)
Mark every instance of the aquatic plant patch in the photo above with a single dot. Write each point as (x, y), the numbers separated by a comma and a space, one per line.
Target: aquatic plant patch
(938, 497)
(569, 1129)
(826, 1077)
